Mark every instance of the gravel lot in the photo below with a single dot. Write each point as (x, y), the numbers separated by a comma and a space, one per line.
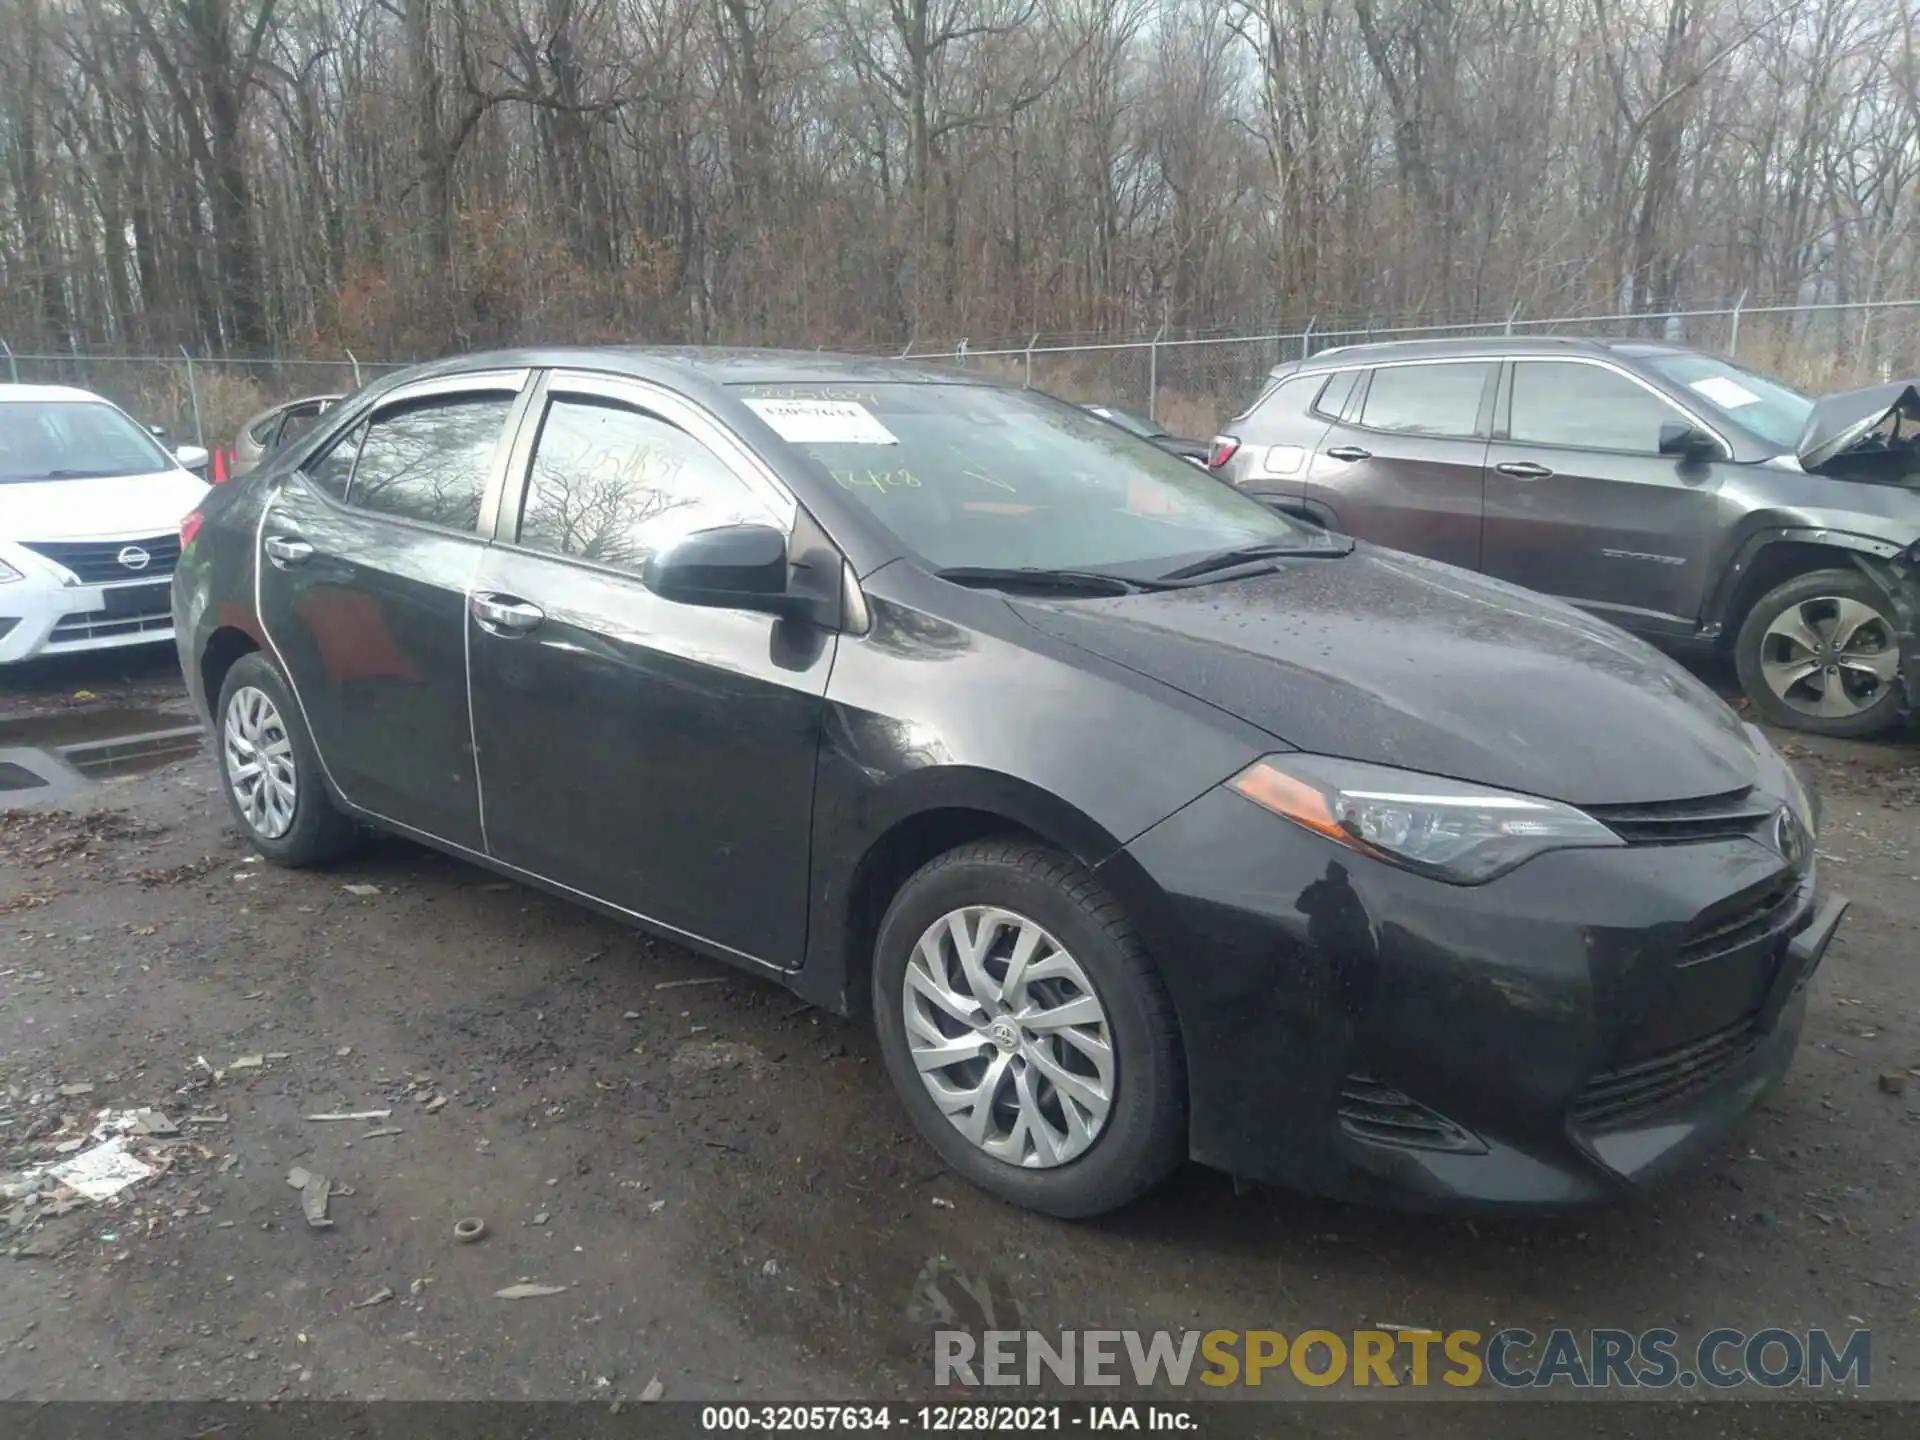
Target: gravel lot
(719, 1177)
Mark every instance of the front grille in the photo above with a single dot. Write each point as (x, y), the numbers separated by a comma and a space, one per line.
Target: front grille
(81, 627)
(1635, 1091)
(1373, 1110)
(97, 562)
(1677, 822)
(1764, 911)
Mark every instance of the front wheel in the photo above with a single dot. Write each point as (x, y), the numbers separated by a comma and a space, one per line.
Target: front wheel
(1821, 653)
(271, 772)
(1027, 1031)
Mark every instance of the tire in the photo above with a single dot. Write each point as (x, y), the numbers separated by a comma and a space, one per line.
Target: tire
(1065, 1172)
(304, 828)
(1829, 603)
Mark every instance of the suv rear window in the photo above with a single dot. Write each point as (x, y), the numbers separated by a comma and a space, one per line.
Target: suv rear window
(1432, 399)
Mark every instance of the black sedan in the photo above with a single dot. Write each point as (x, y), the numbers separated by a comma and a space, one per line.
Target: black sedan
(1144, 821)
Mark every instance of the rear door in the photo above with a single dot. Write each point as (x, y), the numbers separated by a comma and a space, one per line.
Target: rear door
(1580, 503)
(366, 556)
(1403, 466)
(653, 755)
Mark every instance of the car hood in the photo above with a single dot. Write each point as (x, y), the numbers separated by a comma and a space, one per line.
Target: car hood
(118, 507)
(1839, 422)
(1384, 657)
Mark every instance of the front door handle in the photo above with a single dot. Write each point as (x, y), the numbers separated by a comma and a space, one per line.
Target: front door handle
(1349, 452)
(1524, 470)
(505, 615)
(284, 550)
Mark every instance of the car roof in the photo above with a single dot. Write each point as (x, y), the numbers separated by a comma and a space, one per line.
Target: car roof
(18, 394)
(713, 364)
(1381, 352)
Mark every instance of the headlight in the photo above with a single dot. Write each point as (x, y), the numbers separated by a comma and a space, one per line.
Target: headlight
(1450, 830)
(1805, 807)
(8, 574)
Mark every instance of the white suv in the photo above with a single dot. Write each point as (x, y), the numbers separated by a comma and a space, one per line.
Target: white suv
(90, 508)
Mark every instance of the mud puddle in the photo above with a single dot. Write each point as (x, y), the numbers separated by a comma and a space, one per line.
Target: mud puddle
(48, 758)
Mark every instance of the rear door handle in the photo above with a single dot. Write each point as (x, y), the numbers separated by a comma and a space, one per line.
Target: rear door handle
(1524, 470)
(506, 615)
(284, 550)
(1349, 452)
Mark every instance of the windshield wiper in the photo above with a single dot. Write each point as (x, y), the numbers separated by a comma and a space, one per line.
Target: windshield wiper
(1251, 554)
(1082, 582)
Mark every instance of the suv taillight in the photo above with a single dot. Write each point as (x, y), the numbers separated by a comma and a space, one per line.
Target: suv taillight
(190, 527)
(1225, 447)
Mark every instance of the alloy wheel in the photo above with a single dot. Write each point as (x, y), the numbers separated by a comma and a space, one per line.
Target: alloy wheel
(1008, 1036)
(259, 763)
(1829, 656)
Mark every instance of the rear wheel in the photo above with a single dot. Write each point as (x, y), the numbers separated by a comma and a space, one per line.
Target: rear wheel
(1821, 653)
(271, 773)
(1027, 1031)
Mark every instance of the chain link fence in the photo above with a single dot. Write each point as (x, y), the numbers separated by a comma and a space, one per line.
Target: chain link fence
(1188, 384)
(1192, 385)
(195, 400)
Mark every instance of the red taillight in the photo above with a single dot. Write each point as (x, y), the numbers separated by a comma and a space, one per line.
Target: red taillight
(1225, 447)
(190, 527)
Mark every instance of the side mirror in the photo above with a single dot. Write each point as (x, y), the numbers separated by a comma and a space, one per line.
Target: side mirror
(1687, 442)
(736, 567)
(192, 457)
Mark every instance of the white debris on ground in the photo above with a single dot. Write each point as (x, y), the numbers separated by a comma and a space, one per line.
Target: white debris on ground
(90, 1163)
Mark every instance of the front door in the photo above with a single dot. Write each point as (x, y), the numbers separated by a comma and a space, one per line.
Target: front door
(366, 553)
(653, 755)
(1403, 469)
(1580, 503)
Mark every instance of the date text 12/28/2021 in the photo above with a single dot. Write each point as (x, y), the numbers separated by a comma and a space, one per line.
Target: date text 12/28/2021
(947, 1419)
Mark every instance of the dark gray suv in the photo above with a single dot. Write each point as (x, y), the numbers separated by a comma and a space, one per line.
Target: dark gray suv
(1672, 492)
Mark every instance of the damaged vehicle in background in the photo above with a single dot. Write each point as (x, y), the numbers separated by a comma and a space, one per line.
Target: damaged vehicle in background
(266, 432)
(1679, 495)
(1144, 822)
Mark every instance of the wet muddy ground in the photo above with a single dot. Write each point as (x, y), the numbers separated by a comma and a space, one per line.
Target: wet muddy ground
(714, 1179)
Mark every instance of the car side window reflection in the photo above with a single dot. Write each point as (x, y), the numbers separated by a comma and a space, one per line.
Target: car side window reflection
(1557, 403)
(331, 471)
(615, 485)
(1439, 400)
(429, 460)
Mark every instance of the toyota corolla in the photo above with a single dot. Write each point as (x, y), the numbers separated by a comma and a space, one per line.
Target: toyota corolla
(1144, 822)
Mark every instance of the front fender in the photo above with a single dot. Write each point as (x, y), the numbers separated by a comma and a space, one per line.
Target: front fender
(1861, 546)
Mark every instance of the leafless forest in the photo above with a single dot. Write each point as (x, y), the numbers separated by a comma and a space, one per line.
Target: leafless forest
(256, 177)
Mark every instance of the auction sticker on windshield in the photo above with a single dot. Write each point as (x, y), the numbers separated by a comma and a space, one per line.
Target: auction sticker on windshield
(1727, 394)
(823, 422)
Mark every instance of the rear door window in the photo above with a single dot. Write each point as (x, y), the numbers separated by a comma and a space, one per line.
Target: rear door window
(429, 460)
(1431, 399)
(1332, 400)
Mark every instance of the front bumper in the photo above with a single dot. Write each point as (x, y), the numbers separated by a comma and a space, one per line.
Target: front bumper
(41, 616)
(1563, 1035)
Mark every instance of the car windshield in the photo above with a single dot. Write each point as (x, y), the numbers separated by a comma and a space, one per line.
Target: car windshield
(975, 476)
(1771, 410)
(1145, 429)
(73, 440)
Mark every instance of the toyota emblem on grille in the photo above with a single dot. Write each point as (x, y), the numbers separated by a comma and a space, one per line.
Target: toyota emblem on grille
(1790, 838)
(134, 558)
